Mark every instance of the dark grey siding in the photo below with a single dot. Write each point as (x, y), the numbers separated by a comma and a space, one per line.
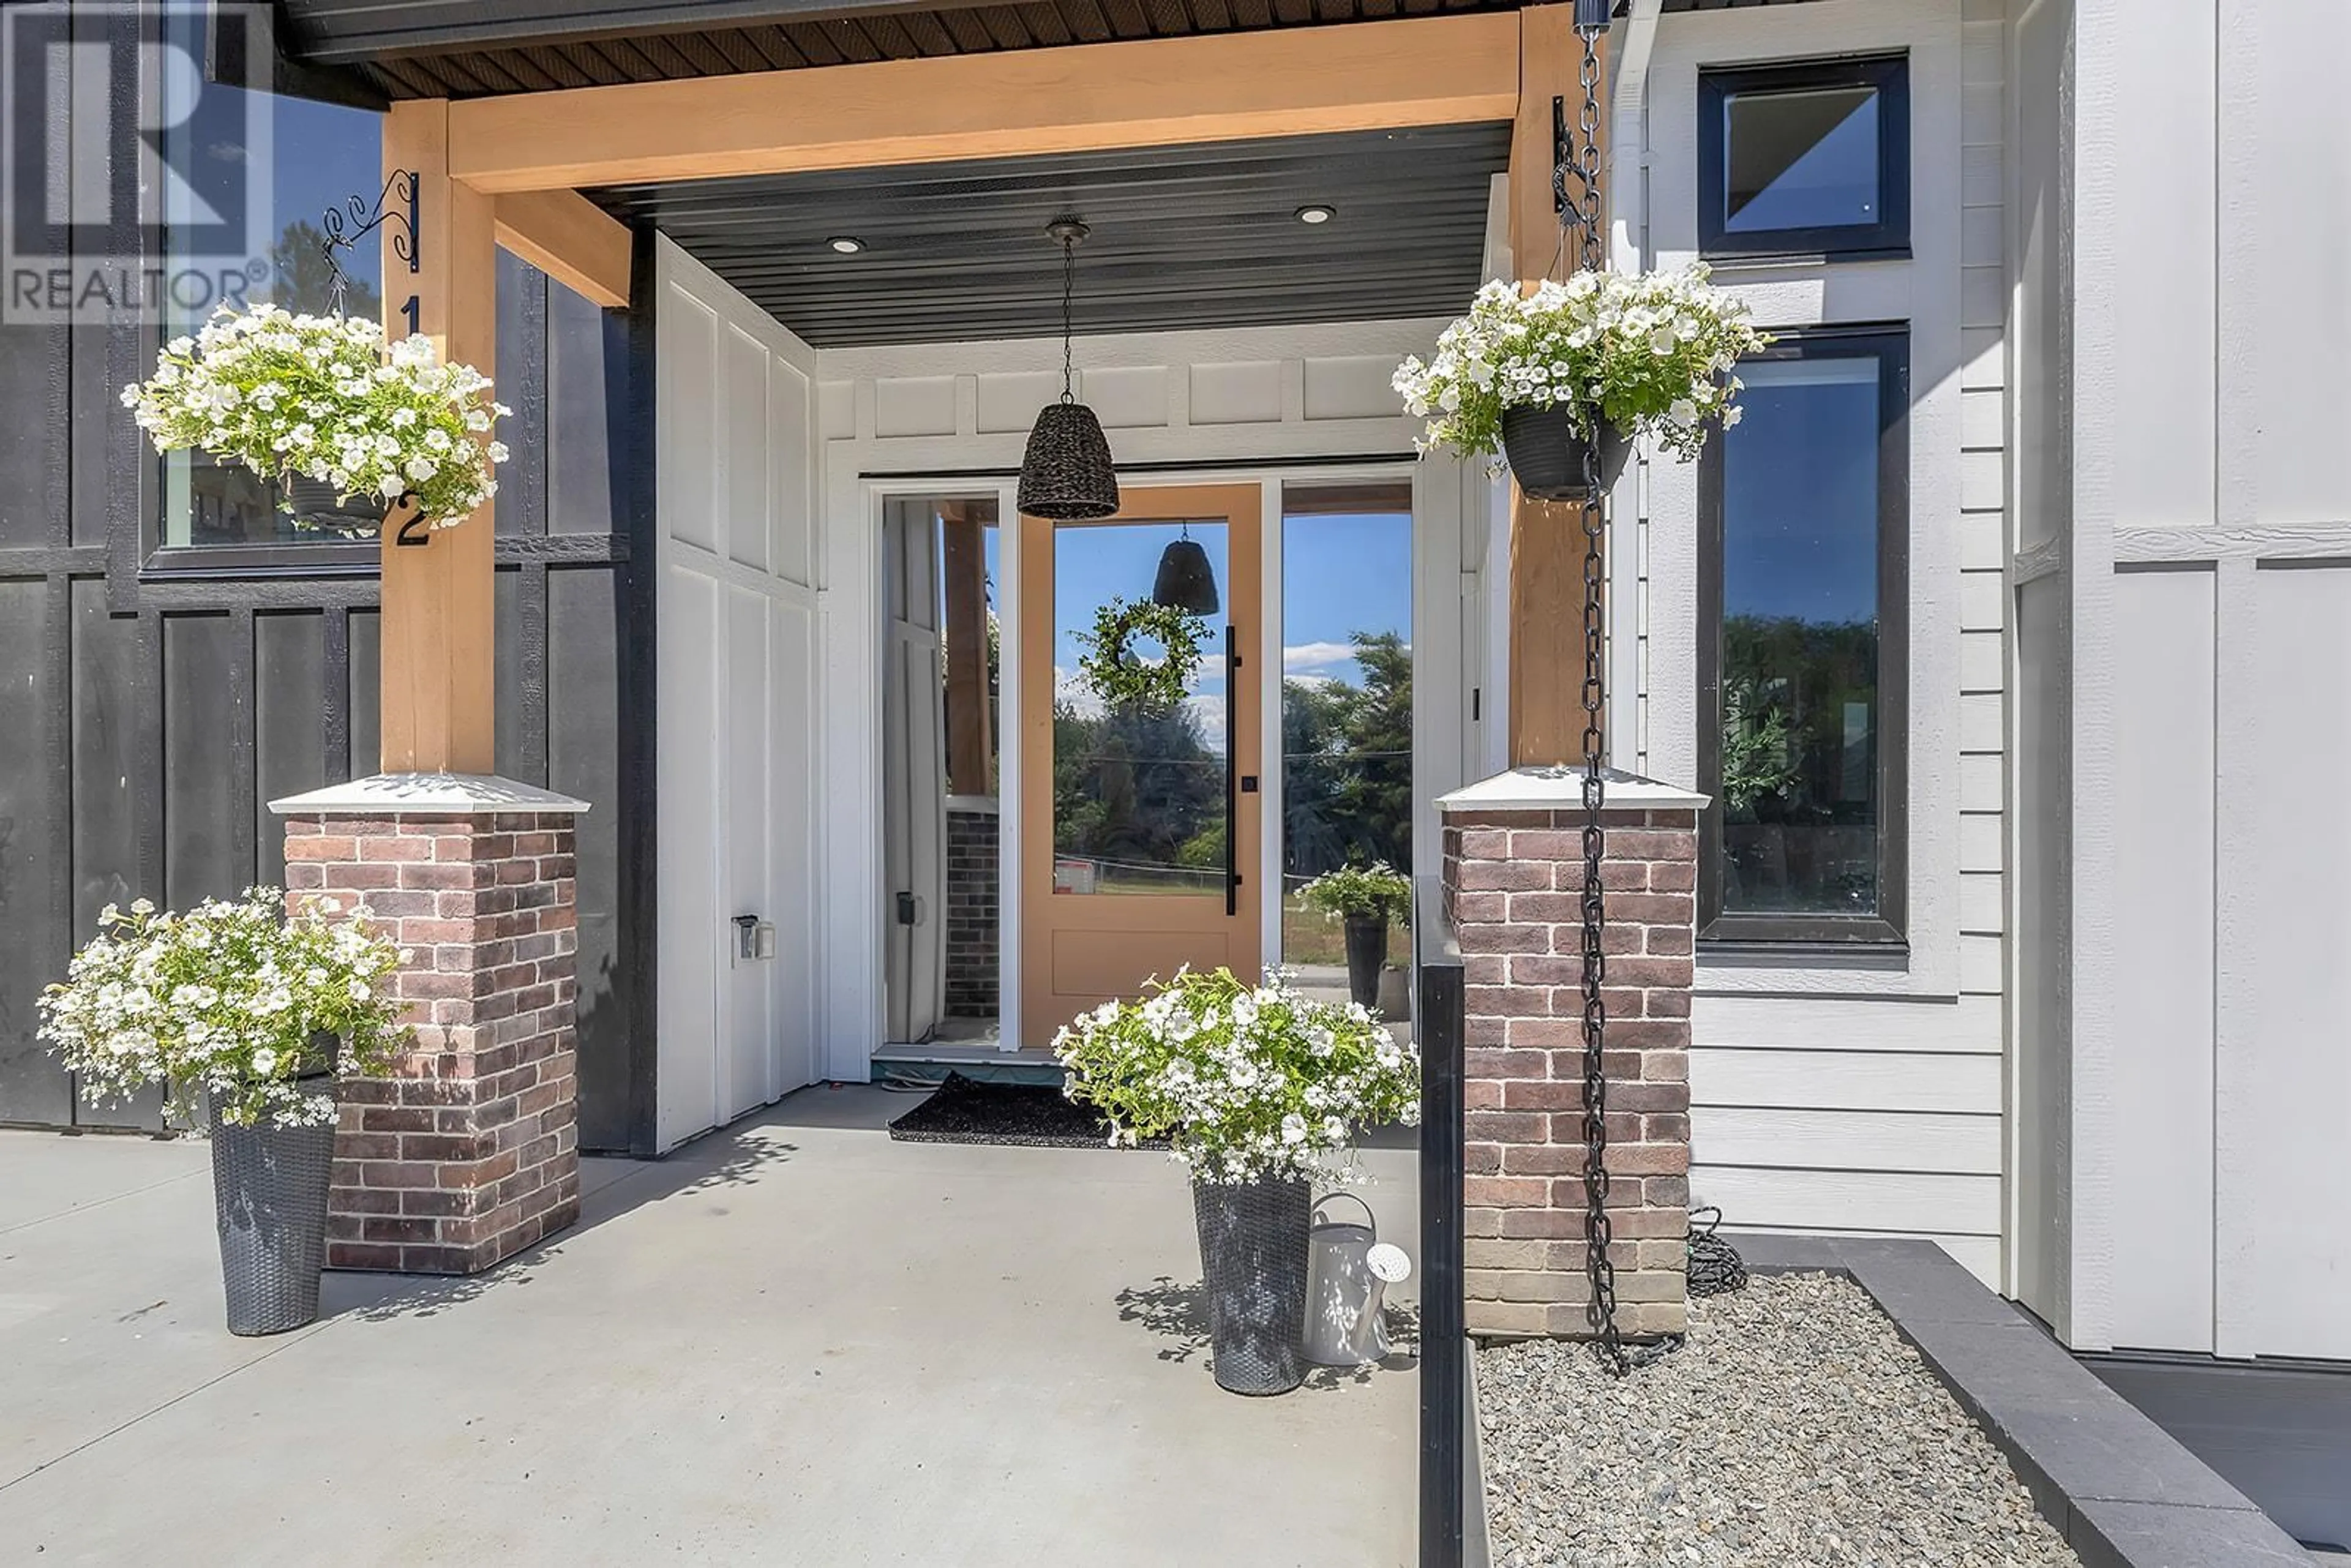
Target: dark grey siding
(146, 717)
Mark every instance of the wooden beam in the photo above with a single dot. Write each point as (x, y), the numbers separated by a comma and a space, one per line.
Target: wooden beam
(1547, 661)
(1152, 92)
(570, 239)
(971, 746)
(437, 609)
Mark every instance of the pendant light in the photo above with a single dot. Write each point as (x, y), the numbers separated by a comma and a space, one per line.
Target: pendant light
(1066, 474)
(1186, 581)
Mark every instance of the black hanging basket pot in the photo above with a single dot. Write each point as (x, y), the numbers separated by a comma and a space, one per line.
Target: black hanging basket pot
(1546, 449)
(269, 1193)
(1253, 1255)
(315, 502)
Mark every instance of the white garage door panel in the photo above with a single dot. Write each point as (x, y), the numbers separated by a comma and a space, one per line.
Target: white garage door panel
(790, 419)
(689, 351)
(2283, 1132)
(792, 754)
(744, 420)
(738, 721)
(742, 734)
(689, 852)
(2161, 1195)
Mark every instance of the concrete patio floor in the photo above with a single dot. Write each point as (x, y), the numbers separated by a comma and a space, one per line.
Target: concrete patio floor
(793, 1342)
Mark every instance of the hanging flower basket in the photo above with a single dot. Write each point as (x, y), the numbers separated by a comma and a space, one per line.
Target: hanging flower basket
(328, 410)
(1628, 357)
(1546, 452)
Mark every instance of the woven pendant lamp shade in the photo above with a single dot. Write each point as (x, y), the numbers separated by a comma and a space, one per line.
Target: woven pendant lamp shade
(1066, 474)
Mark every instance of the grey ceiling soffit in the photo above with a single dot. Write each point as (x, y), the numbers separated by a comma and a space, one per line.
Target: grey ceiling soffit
(1184, 237)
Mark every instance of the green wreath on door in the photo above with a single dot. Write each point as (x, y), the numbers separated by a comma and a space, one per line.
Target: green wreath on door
(1122, 679)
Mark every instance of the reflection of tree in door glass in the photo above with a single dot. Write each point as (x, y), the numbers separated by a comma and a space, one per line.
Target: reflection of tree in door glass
(1346, 698)
(1141, 800)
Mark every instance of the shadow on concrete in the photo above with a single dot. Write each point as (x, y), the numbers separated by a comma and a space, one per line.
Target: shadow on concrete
(727, 1160)
(1179, 1314)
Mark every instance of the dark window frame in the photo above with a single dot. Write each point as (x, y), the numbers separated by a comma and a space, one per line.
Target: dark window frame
(1889, 343)
(1886, 239)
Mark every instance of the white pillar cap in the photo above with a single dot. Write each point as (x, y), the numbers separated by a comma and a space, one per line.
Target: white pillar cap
(1562, 789)
(426, 795)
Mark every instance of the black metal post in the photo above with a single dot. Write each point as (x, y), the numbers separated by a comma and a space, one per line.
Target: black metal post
(1444, 1370)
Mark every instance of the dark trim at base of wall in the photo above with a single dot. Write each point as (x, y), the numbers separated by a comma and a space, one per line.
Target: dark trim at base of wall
(2279, 1431)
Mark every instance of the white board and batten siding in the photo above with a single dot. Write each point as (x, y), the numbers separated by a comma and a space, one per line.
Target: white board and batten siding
(2212, 547)
(736, 629)
(1245, 404)
(1867, 1098)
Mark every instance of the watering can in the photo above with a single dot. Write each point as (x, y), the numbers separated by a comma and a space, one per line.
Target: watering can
(1348, 1270)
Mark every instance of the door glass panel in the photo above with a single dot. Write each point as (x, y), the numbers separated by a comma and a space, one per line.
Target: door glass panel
(941, 704)
(1346, 704)
(1141, 801)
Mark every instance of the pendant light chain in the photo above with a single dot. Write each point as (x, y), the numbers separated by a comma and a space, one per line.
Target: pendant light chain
(1069, 296)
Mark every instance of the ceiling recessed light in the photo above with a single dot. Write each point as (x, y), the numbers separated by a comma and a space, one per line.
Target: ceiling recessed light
(847, 245)
(1316, 214)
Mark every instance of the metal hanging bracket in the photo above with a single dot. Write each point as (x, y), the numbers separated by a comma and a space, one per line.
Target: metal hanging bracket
(395, 204)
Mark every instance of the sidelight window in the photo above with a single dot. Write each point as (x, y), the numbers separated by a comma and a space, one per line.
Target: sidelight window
(1803, 512)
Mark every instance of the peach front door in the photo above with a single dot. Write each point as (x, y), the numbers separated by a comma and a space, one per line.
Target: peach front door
(1140, 828)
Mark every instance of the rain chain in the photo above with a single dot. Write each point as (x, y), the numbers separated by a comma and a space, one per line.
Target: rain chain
(1581, 214)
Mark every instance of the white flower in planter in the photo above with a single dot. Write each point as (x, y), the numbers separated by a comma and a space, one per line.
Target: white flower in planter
(228, 999)
(1248, 1084)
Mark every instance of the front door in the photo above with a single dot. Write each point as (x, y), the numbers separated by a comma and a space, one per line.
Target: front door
(1140, 828)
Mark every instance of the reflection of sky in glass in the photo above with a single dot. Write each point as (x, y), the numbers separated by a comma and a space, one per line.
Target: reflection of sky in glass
(322, 155)
(1800, 492)
(1800, 160)
(1342, 573)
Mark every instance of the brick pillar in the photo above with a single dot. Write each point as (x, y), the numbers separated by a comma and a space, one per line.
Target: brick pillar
(1513, 878)
(469, 1152)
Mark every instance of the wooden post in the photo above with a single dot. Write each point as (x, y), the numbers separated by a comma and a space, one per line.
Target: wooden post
(971, 750)
(437, 597)
(1547, 671)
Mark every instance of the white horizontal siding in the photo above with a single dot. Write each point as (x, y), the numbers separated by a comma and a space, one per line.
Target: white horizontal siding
(1933, 1202)
(1865, 1080)
(1980, 1255)
(1951, 1142)
(1867, 1097)
(1800, 1023)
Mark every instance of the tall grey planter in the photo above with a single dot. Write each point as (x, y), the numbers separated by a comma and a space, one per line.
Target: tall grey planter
(1253, 1255)
(269, 1192)
(1367, 955)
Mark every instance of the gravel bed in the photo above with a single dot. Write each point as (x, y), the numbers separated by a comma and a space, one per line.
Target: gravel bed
(1796, 1429)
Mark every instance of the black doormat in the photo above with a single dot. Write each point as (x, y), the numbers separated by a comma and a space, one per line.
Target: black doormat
(965, 1111)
